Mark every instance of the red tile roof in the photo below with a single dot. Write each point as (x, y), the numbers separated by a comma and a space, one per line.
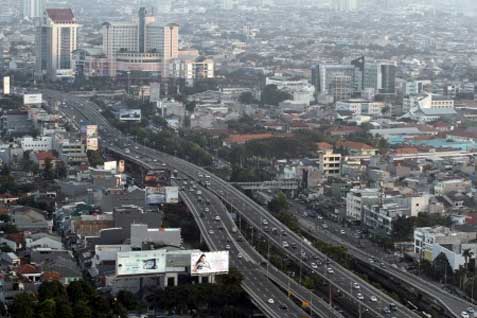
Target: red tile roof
(61, 15)
(28, 269)
(241, 139)
(43, 155)
(324, 146)
(50, 276)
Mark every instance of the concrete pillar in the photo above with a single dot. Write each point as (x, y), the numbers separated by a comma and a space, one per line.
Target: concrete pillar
(170, 275)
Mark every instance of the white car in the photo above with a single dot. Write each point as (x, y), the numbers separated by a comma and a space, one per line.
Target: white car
(227, 247)
(374, 299)
(464, 314)
(360, 296)
(271, 301)
(342, 232)
(356, 286)
(330, 270)
(239, 255)
(217, 218)
(211, 232)
(314, 266)
(285, 244)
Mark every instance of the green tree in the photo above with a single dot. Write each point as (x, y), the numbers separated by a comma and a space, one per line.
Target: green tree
(22, 306)
(82, 310)
(95, 158)
(46, 309)
(128, 300)
(79, 291)
(271, 95)
(247, 98)
(51, 290)
(279, 203)
(402, 228)
(48, 169)
(63, 309)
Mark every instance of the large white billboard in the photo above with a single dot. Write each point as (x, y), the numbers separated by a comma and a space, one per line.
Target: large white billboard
(172, 194)
(130, 115)
(155, 195)
(6, 85)
(32, 99)
(141, 262)
(91, 131)
(110, 166)
(204, 263)
(92, 144)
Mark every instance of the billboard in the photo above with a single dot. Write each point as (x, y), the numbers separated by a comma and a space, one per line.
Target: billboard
(172, 194)
(6, 85)
(155, 195)
(32, 99)
(141, 262)
(91, 131)
(121, 166)
(204, 263)
(92, 144)
(130, 115)
(110, 166)
(155, 92)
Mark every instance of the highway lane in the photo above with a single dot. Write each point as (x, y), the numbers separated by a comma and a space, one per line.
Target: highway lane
(415, 281)
(255, 214)
(254, 282)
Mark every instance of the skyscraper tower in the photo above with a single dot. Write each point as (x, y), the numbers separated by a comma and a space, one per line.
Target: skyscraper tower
(56, 39)
(33, 9)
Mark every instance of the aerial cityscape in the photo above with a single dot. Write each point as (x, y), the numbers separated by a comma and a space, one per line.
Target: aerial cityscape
(238, 158)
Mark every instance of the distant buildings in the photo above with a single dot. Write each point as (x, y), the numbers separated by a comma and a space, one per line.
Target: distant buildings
(344, 81)
(56, 40)
(33, 9)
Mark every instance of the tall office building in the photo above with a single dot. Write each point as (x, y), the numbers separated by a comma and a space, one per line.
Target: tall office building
(380, 77)
(388, 79)
(143, 40)
(345, 5)
(333, 80)
(56, 40)
(33, 9)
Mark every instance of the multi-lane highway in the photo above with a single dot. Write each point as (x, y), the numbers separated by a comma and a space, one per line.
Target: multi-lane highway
(377, 303)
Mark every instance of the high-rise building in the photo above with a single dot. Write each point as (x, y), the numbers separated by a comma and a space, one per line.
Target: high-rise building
(388, 79)
(333, 80)
(370, 75)
(345, 5)
(56, 40)
(33, 9)
(121, 40)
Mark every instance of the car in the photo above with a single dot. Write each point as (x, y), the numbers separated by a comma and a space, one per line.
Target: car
(271, 301)
(234, 230)
(325, 226)
(373, 299)
(392, 306)
(285, 244)
(206, 210)
(330, 270)
(371, 260)
(154, 160)
(294, 245)
(217, 218)
(266, 229)
(360, 296)
(464, 314)
(356, 286)
(227, 247)
(211, 232)
(387, 311)
(239, 255)
(264, 222)
(470, 310)
(283, 307)
(382, 265)
(343, 232)
(314, 266)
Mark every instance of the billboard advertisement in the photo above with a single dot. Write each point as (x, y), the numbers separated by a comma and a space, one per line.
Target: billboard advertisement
(155, 92)
(6, 85)
(204, 263)
(110, 166)
(92, 144)
(91, 131)
(172, 194)
(32, 99)
(155, 195)
(130, 115)
(140, 262)
(121, 166)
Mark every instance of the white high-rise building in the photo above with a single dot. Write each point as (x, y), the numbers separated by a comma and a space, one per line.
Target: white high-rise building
(345, 5)
(33, 9)
(55, 43)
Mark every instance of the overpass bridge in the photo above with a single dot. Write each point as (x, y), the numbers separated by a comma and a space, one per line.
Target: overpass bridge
(284, 185)
(255, 215)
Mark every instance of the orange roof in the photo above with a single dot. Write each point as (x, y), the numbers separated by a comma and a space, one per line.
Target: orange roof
(43, 155)
(18, 238)
(324, 146)
(353, 145)
(28, 269)
(241, 139)
(49, 276)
